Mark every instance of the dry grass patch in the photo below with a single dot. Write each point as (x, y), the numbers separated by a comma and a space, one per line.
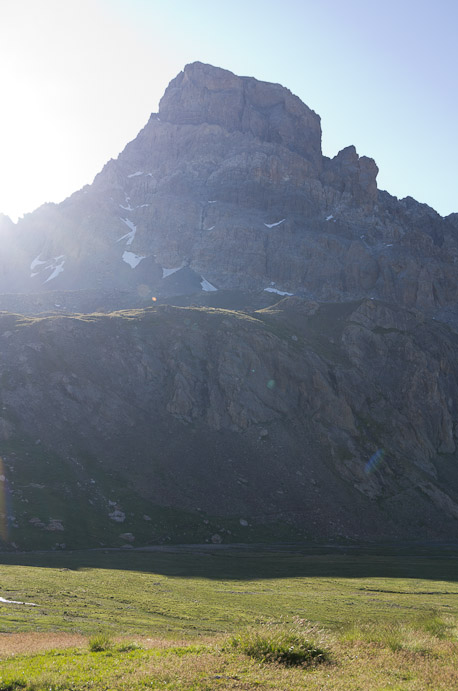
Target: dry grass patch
(39, 642)
(29, 643)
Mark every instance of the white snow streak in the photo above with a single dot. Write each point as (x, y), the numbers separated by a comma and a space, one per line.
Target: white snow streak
(128, 237)
(17, 602)
(272, 225)
(36, 262)
(207, 286)
(329, 218)
(279, 292)
(134, 175)
(169, 272)
(55, 273)
(57, 270)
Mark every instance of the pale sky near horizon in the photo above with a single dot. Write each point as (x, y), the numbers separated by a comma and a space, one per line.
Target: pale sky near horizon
(79, 79)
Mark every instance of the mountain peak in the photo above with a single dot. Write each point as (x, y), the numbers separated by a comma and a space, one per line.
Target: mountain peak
(203, 94)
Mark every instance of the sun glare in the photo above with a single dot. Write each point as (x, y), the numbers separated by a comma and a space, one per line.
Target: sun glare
(71, 100)
(29, 140)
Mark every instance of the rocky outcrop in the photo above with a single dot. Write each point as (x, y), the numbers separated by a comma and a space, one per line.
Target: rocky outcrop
(267, 112)
(353, 177)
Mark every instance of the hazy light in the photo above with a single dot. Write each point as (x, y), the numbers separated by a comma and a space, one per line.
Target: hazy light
(80, 78)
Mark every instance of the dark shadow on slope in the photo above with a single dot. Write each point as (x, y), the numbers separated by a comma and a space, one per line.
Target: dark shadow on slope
(248, 562)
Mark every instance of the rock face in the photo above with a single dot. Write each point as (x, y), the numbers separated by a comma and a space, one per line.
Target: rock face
(321, 403)
(231, 162)
(315, 421)
(268, 112)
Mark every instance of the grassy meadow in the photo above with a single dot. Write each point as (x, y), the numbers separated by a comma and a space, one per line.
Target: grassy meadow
(230, 618)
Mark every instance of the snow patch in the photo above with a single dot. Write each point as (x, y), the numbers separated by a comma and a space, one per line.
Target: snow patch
(211, 228)
(272, 225)
(132, 259)
(36, 262)
(212, 202)
(279, 292)
(169, 272)
(329, 218)
(134, 175)
(117, 515)
(55, 265)
(207, 286)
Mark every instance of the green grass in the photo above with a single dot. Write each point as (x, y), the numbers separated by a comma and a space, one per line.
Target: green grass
(294, 645)
(206, 619)
(205, 591)
(100, 642)
(359, 664)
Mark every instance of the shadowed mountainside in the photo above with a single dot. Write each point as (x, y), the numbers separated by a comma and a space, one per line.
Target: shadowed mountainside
(295, 421)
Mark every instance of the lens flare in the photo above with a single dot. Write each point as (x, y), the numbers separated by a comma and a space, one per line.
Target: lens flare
(3, 507)
(374, 461)
(143, 290)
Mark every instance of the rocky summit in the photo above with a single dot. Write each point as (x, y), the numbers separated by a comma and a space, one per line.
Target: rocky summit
(229, 337)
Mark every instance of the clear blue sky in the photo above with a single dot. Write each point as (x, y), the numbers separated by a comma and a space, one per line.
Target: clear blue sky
(79, 78)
